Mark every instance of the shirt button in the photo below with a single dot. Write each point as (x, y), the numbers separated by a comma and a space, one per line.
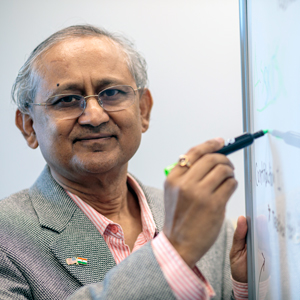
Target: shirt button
(114, 228)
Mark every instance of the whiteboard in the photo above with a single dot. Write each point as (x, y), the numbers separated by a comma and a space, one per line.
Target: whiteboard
(270, 44)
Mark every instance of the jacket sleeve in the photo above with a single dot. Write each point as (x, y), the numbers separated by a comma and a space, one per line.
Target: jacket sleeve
(13, 285)
(140, 277)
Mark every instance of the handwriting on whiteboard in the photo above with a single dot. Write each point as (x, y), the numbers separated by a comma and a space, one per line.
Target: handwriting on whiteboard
(268, 80)
(286, 227)
(283, 4)
(264, 174)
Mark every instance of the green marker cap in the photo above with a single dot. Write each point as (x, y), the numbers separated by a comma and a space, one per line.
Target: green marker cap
(169, 168)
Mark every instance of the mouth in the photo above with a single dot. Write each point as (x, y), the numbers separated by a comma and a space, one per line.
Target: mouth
(94, 137)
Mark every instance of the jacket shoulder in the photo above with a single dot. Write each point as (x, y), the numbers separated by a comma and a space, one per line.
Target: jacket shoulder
(15, 202)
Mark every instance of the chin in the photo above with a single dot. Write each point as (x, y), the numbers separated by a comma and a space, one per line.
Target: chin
(94, 166)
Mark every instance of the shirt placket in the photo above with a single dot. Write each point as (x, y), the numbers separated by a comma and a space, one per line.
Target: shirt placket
(114, 236)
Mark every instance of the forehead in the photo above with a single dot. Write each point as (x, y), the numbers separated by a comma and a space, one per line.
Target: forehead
(82, 59)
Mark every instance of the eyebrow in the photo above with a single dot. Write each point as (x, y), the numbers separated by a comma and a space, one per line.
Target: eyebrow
(99, 85)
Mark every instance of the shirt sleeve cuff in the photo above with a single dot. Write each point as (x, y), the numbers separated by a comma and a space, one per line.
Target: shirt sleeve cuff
(240, 290)
(185, 282)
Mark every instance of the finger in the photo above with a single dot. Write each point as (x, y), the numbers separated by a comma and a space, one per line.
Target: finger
(225, 190)
(218, 176)
(197, 152)
(239, 237)
(212, 168)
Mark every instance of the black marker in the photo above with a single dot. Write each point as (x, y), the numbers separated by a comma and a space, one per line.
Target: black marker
(232, 145)
(240, 142)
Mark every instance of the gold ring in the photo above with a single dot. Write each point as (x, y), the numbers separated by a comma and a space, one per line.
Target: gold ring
(184, 161)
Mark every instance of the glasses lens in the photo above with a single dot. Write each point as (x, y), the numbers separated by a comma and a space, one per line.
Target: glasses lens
(66, 106)
(117, 97)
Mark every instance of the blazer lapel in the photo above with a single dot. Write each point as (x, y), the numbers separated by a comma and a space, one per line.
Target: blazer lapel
(77, 236)
(82, 239)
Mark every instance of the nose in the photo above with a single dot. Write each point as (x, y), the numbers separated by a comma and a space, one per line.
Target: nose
(93, 114)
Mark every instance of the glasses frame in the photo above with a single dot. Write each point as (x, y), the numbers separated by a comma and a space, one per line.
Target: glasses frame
(89, 96)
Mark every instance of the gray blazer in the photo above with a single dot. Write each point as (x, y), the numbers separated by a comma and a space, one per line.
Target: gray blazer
(40, 227)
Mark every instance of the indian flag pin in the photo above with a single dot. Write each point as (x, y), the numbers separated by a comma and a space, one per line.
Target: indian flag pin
(81, 261)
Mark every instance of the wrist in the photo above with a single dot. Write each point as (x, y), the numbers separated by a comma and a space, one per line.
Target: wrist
(186, 251)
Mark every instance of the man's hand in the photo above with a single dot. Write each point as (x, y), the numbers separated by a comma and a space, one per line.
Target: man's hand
(238, 253)
(195, 200)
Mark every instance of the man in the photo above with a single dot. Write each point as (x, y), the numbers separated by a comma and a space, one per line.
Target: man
(82, 98)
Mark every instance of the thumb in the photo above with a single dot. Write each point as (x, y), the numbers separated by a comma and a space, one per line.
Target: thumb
(239, 237)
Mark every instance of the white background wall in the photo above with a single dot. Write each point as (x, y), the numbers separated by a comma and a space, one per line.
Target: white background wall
(192, 49)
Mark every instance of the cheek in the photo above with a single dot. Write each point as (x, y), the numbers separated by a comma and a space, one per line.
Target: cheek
(131, 124)
(133, 133)
(52, 133)
(130, 129)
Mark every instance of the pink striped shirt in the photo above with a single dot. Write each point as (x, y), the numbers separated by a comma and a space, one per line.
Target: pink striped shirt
(185, 282)
(113, 232)
(240, 293)
(241, 289)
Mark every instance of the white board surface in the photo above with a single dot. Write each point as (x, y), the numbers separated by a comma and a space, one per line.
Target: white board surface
(274, 97)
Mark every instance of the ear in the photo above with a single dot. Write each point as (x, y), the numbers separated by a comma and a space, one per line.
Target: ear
(25, 123)
(146, 103)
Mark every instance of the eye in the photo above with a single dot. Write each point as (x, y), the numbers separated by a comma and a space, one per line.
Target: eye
(68, 99)
(110, 93)
(65, 101)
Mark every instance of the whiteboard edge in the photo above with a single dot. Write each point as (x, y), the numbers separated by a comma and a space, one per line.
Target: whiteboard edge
(243, 12)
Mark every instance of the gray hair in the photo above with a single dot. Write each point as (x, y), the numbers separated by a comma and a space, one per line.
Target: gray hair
(26, 84)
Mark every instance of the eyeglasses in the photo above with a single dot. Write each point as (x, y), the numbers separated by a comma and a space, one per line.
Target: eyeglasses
(67, 106)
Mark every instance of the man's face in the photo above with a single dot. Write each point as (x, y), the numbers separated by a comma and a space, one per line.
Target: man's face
(97, 141)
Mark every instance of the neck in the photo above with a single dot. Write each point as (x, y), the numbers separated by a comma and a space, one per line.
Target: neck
(108, 194)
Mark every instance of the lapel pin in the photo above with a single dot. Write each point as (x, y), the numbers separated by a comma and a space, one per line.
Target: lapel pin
(76, 261)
